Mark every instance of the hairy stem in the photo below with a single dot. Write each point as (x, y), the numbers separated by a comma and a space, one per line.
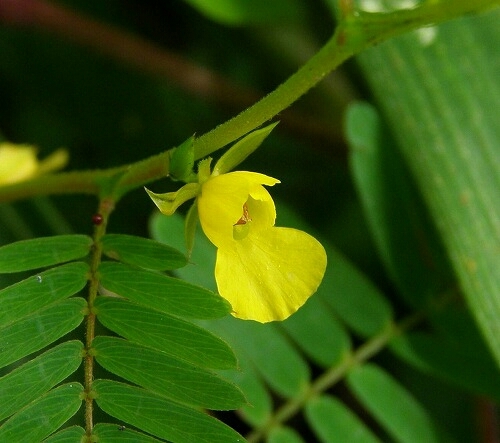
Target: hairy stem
(357, 31)
(101, 219)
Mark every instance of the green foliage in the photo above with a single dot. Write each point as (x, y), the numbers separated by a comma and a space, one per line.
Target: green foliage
(393, 407)
(322, 332)
(173, 335)
(40, 252)
(42, 290)
(29, 381)
(176, 356)
(454, 159)
(160, 416)
(39, 329)
(411, 251)
(115, 337)
(142, 252)
(161, 292)
(171, 377)
(333, 421)
(44, 415)
(68, 435)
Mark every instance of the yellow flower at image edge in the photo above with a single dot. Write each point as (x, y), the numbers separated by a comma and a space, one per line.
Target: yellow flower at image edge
(265, 272)
(19, 162)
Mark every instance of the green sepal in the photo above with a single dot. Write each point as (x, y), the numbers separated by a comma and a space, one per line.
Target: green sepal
(204, 170)
(190, 228)
(242, 149)
(169, 202)
(182, 162)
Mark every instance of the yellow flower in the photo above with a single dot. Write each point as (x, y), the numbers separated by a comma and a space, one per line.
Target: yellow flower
(265, 272)
(19, 162)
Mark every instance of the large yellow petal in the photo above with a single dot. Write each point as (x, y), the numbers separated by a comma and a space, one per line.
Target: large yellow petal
(270, 274)
(220, 203)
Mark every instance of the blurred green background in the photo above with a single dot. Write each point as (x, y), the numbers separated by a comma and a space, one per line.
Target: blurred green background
(56, 92)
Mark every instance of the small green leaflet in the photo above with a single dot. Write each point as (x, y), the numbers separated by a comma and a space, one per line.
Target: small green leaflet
(142, 252)
(160, 292)
(41, 252)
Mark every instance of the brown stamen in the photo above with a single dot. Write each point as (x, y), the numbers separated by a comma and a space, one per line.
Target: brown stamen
(245, 217)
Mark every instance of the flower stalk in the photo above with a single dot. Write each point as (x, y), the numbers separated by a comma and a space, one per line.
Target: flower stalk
(356, 31)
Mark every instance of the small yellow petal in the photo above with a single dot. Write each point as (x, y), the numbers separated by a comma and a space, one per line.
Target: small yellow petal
(270, 274)
(17, 163)
(252, 178)
(220, 204)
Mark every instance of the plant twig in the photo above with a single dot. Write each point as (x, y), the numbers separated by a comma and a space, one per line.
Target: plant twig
(336, 374)
(358, 31)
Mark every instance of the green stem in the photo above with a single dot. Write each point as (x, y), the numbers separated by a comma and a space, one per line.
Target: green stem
(322, 63)
(356, 32)
(80, 182)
